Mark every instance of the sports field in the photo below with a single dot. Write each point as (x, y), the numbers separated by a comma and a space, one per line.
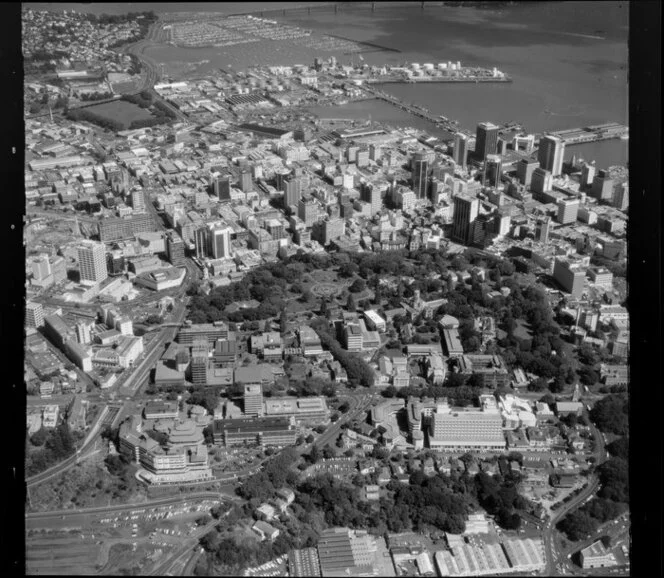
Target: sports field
(122, 111)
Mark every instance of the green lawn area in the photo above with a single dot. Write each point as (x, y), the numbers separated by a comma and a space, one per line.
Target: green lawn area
(522, 330)
(124, 86)
(122, 111)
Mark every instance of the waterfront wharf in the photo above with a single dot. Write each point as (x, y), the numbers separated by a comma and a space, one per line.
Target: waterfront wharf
(414, 109)
(593, 133)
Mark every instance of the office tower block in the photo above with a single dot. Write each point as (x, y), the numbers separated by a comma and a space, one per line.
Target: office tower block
(362, 158)
(41, 267)
(542, 230)
(420, 175)
(371, 195)
(138, 200)
(551, 154)
(441, 171)
(481, 231)
(570, 276)
(346, 209)
(602, 187)
(201, 242)
(221, 187)
(246, 184)
(280, 178)
(276, 228)
(524, 171)
(220, 242)
(58, 268)
(502, 223)
(92, 261)
(307, 210)
(568, 210)
(486, 140)
(541, 181)
(621, 197)
(332, 229)
(34, 315)
(175, 249)
(460, 153)
(292, 191)
(587, 174)
(253, 400)
(199, 362)
(466, 210)
(492, 170)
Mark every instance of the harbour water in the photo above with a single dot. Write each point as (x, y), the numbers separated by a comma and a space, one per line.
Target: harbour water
(568, 60)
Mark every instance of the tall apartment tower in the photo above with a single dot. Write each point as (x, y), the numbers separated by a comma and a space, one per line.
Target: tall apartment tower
(307, 210)
(460, 154)
(175, 249)
(551, 154)
(466, 210)
(420, 170)
(486, 139)
(92, 261)
(138, 200)
(222, 187)
(34, 314)
(253, 400)
(220, 242)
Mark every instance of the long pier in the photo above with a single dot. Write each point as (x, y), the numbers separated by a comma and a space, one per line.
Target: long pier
(451, 79)
(593, 133)
(415, 110)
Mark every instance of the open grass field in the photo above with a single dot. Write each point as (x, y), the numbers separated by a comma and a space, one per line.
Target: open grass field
(522, 330)
(122, 111)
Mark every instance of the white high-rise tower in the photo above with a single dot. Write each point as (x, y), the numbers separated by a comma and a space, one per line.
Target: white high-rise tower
(92, 261)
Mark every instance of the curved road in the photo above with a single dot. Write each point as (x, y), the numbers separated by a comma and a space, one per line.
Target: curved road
(550, 535)
(358, 404)
(88, 447)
